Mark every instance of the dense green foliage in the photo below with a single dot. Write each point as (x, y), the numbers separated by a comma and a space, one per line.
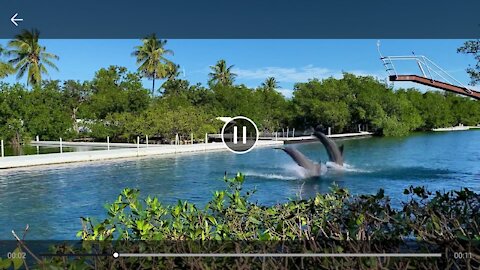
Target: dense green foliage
(472, 47)
(116, 104)
(345, 103)
(333, 222)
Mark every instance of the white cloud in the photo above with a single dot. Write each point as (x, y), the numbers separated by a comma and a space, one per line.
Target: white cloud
(290, 75)
(293, 75)
(284, 74)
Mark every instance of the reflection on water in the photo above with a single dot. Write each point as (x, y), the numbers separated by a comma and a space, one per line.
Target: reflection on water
(21, 150)
(52, 199)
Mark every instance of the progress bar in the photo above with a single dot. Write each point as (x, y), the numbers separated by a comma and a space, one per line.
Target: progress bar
(282, 255)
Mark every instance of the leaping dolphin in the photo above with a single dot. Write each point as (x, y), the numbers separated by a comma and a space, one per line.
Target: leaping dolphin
(335, 154)
(313, 168)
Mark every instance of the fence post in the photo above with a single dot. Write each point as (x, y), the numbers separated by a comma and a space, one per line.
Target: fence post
(206, 137)
(3, 150)
(191, 137)
(177, 140)
(146, 138)
(293, 135)
(108, 142)
(138, 145)
(37, 138)
(61, 146)
(329, 131)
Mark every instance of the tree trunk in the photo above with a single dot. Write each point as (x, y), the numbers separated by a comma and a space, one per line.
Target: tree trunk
(153, 86)
(74, 118)
(16, 139)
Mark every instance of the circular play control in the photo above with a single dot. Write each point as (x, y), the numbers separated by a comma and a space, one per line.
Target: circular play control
(240, 135)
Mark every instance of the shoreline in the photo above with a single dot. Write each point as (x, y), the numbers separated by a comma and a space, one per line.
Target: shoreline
(455, 128)
(13, 162)
(130, 151)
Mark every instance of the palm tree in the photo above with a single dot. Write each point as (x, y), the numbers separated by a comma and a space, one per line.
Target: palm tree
(151, 58)
(221, 74)
(29, 56)
(5, 68)
(173, 71)
(270, 84)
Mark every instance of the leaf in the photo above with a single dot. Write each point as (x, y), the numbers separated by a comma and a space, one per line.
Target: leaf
(265, 236)
(317, 200)
(360, 219)
(254, 220)
(212, 220)
(5, 263)
(17, 258)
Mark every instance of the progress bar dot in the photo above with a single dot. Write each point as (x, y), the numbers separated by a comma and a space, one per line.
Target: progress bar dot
(116, 255)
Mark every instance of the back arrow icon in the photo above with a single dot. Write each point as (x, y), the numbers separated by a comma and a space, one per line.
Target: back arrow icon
(14, 19)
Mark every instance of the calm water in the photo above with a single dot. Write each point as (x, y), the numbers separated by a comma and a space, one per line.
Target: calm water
(51, 199)
(35, 150)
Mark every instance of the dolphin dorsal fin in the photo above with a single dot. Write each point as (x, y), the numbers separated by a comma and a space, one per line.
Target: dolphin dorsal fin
(341, 149)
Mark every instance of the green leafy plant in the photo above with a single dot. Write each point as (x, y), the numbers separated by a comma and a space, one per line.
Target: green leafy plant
(336, 222)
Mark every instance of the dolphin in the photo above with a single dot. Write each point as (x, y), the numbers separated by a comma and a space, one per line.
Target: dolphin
(335, 154)
(313, 168)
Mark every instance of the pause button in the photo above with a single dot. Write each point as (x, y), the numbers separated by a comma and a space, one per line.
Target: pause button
(240, 135)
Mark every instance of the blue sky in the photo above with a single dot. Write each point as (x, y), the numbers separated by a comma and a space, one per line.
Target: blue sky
(289, 61)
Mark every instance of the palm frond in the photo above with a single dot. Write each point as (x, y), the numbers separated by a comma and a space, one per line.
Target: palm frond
(28, 56)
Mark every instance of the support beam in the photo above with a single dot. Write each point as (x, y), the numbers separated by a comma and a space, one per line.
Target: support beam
(437, 84)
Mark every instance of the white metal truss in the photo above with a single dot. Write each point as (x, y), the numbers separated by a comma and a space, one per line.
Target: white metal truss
(428, 68)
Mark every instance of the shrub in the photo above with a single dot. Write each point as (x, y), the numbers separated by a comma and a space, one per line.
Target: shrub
(335, 222)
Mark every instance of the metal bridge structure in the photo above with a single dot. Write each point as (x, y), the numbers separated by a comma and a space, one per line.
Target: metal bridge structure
(431, 74)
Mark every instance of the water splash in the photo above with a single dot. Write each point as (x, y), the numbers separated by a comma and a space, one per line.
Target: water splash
(294, 169)
(291, 171)
(332, 166)
(271, 176)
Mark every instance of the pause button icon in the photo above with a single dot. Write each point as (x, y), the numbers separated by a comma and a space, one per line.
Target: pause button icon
(240, 141)
(235, 136)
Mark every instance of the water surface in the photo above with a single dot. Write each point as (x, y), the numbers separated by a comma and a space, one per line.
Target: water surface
(23, 150)
(52, 199)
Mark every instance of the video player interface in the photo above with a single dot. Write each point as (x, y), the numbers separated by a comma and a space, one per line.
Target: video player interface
(239, 135)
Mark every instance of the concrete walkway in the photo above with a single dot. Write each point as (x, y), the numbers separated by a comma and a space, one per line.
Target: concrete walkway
(457, 128)
(130, 150)
(152, 150)
(313, 138)
(91, 144)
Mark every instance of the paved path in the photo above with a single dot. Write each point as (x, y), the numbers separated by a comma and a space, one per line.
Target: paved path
(312, 138)
(129, 150)
(457, 128)
(152, 150)
(92, 144)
